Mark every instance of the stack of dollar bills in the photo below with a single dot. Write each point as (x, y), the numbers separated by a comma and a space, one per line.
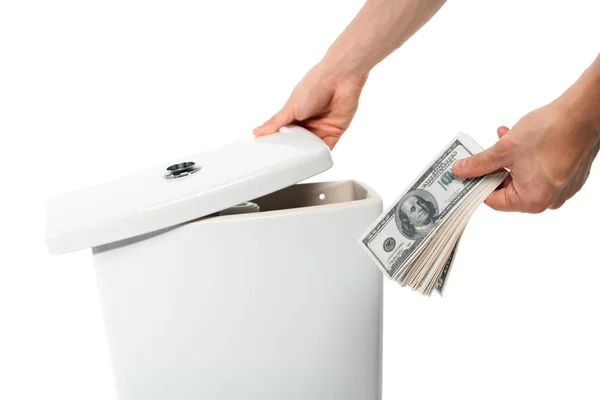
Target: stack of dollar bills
(414, 241)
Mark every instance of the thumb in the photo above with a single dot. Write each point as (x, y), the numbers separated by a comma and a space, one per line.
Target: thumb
(284, 117)
(502, 131)
(480, 164)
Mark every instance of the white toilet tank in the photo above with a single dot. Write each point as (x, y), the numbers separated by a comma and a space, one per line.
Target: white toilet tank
(273, 300)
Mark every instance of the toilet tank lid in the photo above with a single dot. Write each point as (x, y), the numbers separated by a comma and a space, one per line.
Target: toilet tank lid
(177, 192)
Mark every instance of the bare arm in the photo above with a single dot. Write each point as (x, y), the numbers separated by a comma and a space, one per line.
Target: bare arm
(380, 27)
(326, 99)
(583, 97)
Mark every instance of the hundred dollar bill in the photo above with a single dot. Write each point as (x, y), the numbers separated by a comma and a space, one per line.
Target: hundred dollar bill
(394, 237)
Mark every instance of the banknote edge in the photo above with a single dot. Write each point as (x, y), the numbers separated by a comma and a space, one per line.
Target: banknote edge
(374, 259)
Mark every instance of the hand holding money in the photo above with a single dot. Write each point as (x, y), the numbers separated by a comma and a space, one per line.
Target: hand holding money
(414, 241)
(549, 153)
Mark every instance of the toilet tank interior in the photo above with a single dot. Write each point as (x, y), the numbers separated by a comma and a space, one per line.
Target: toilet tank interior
(312, 194)
(295, 196)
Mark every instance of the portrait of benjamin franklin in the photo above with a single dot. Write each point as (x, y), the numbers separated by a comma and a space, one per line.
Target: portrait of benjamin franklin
(416, 214)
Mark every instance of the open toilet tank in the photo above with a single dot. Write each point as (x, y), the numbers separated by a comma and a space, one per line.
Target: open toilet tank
(279, 303)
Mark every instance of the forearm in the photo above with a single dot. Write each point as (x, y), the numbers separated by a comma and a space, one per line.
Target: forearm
(582, 100)
(378, 29)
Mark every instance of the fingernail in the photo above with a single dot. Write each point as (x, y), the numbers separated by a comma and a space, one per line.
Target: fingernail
(460, 164)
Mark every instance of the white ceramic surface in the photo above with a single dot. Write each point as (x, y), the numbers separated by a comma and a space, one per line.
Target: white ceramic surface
(275, 305)
(146, 201)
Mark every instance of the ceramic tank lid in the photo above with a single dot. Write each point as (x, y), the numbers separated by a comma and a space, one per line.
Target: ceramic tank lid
(178, 192)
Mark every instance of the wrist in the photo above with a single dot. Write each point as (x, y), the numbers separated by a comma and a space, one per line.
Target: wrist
(581, 102)
(337, 69)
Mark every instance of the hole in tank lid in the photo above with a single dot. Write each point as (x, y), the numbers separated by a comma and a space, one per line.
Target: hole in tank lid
(181, 170)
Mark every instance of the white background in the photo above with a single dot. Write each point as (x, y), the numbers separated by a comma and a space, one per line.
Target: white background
(92, 90)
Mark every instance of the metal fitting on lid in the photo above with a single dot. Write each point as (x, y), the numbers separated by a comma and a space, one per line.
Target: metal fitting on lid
(181, 170)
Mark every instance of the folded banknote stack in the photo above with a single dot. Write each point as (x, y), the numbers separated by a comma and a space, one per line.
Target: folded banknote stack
(414, 241)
